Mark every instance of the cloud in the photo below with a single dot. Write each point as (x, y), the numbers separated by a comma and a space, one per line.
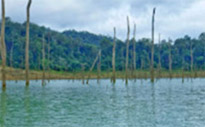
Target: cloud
(174, 18)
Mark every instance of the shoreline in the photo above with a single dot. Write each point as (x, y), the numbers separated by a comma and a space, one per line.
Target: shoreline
(19, 74)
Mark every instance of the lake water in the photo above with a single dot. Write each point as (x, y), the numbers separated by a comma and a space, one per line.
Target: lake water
(63, 103)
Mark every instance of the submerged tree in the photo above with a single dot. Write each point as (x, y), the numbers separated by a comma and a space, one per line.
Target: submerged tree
(127, 49)
(191, 56)
(134, 52)
(99, 65)
(27, 42)
(48, 55)
(83, 73)
(170, 58)
(11, 55)
(93, 65)
(43, 59)
(204, 56)
(183, 68)
(3, 45)
(159, 57)
(113, 57)
(152, 48)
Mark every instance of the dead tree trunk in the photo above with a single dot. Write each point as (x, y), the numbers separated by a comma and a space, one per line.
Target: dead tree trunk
(159, 57)
(27, 42)
(204, 60)
(99, 65)
(192, 61)
(48, 57)
(183, 68)
(93, 65)
(11, 56)
(43, 59)
(142, 67)
(134, 52)
(3, 45)
(83, 73)
(152, 49)
(113, 57)
(170, 59)
(127, 49)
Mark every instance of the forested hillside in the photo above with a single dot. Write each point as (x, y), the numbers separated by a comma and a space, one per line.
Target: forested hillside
(66, 51)
(86, 37)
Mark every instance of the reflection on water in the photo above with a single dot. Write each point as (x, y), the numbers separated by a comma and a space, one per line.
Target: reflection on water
(3, 108)
(66, 103)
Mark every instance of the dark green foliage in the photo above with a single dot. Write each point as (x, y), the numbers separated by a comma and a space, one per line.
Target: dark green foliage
(86, 37)
(70, 49)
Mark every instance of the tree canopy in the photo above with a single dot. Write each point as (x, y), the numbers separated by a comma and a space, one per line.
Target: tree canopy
(70, 49)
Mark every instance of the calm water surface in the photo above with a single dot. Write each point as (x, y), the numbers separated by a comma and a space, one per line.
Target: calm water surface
(62, 103)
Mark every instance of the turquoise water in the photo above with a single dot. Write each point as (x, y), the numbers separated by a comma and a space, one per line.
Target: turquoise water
(62, 103)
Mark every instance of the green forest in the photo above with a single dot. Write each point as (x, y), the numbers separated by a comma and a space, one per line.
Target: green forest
(68, 50)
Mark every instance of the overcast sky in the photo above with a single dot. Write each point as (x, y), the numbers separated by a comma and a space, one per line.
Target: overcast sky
(174, 18)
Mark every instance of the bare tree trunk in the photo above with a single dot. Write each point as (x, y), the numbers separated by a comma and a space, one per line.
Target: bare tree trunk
(39, 62)
(48, 58)
(159, 57)
(3, 45)
(43, 59)
(142, 67)
(11, 56)
(27, 42)
(192, 61)
(204, 60)
(183, 62)
(93, 65)
(99, 65)
(127, 49)
(170, 59)
(83, 73)
(134, 52)
(152, 49)
(22, 62)
(113, 57)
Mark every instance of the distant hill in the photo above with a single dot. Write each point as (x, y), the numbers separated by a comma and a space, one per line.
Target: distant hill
(70, 49)
(86, 37)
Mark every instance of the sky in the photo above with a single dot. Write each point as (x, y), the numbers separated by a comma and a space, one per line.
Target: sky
(174, 18)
